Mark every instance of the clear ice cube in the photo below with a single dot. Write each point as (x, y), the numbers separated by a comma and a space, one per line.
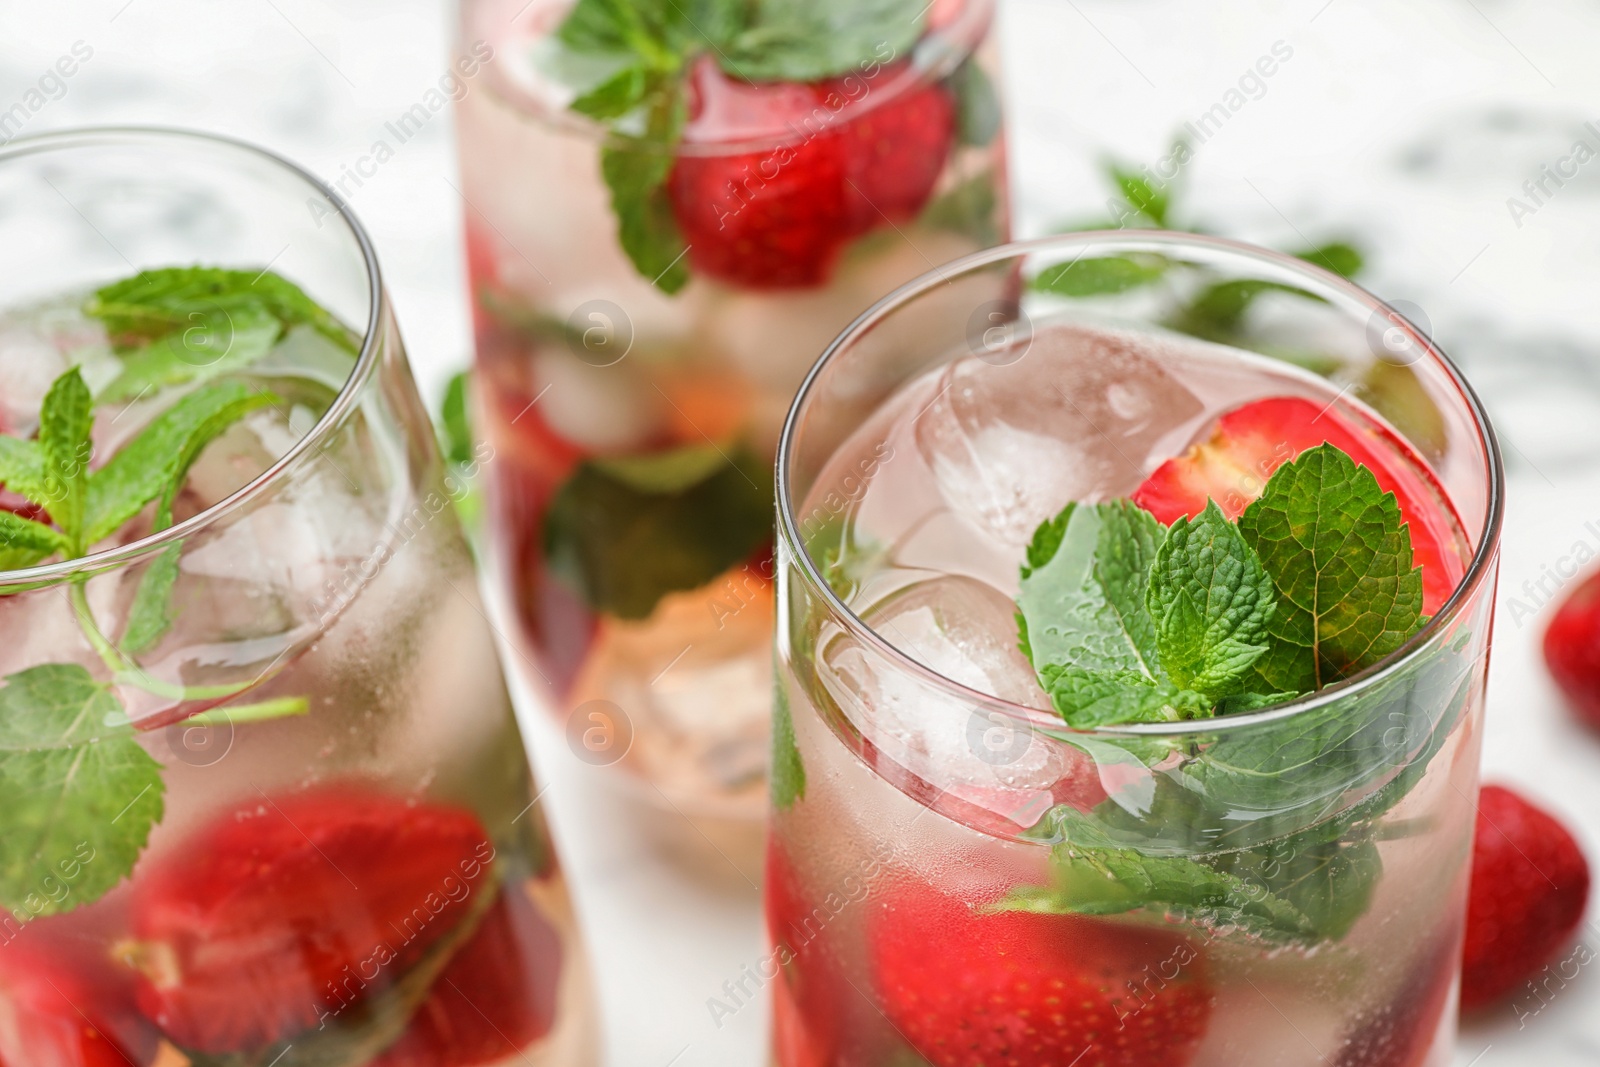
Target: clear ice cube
(1077, 417)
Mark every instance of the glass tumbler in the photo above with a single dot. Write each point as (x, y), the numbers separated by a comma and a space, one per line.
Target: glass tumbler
(635, 390)
(265, 800)
(956, 876)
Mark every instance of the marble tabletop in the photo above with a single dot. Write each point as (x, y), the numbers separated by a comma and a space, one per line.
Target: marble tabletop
(1411, 128)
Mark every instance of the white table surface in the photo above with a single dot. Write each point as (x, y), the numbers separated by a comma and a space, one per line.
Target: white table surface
(1407, 125)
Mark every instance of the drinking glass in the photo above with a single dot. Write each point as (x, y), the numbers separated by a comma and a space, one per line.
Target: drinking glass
(957, 877)
(637, 412)
(265, 799)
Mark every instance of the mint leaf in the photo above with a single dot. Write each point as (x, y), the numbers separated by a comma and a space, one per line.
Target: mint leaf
(1341, 257)
(809, 40)
(636, 173)
(1217, 311)
(626, 532)
(152, 463)
(22, 469)
(151, 615)
(65, 423)
(180, 324)
(1211, 601)
(1101, 276)
(1141, 194)
(24, 542)
(455, 421)
(1086, 698)
(1327, 880)
(1082, 597)
(788, 780)
(72, 788)
(1339, 555)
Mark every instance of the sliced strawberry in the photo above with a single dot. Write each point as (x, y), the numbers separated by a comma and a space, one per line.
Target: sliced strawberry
(1250, 442)
(64, 1003)
(833, 163)
(286, 908)
(496, 996)
(1530, 885)
(973, 990)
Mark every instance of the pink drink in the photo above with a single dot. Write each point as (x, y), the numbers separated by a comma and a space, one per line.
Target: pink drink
(929, 903)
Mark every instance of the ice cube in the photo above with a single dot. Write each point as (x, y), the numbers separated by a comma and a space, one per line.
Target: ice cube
(1075, 418)
(964, 630)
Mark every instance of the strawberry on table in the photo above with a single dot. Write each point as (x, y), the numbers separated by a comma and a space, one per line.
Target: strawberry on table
(292, 907)
(968, 989)
(496, 996)
(1252, 441)
(1572, 649)
(1530, 885)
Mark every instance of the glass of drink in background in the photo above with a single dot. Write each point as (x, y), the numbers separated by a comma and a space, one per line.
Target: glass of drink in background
(956, 874)
(265, 800)
(668, 216)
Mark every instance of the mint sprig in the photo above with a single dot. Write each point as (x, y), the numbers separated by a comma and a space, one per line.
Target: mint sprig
(1253, 831)
(81, 791)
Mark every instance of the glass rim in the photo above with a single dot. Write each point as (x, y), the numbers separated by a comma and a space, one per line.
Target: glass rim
(51, 574)
(1476, 574)
(514, 95)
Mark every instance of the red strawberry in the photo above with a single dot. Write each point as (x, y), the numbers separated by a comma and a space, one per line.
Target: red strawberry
(1572, 649)
(63, 1003)
(1025, 990)
(1401, 1033)
(832, 164)
(290, 908)
(1530, 885)
(496, 996)
(1252, 441)
(894, 150)
(805, 1012)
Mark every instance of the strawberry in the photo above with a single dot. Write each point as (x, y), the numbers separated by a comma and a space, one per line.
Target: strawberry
(1530, 885)
(292, 908)
(1572, 649)
(973, 990)
(805, 1014)
(496, 996)
(64, 1004)
(1401, 1032)
(1250, 442)
(832, 164)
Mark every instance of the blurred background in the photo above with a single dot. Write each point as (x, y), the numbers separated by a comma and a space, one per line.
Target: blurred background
(1455, 143)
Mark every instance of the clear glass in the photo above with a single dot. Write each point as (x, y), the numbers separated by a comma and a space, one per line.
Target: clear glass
(919, 772)
(369, 881)
(637, 426)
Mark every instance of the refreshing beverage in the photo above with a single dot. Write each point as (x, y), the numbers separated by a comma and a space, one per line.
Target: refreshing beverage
(671, 209)
(1130, 684)
(265, 798)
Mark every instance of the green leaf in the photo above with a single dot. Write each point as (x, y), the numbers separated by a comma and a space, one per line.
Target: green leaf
(1140, 193)
(213, 344)
(1327, 880)
(79, 797)
(788, 772)
(977, 104)
(970, 208)
(65, 423)
(616, 96)
(809, 40)
(1211, 602)
(151, 615)
(154, 461)
(1086, 699)
(636, 173)
(625, 533)
(455, 421)
(24, 542)
(22, 469)
(1217, 311)
(844, 557)
(1082, 596)
(1341, 257)
(1339, 554)
(1100, 276)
